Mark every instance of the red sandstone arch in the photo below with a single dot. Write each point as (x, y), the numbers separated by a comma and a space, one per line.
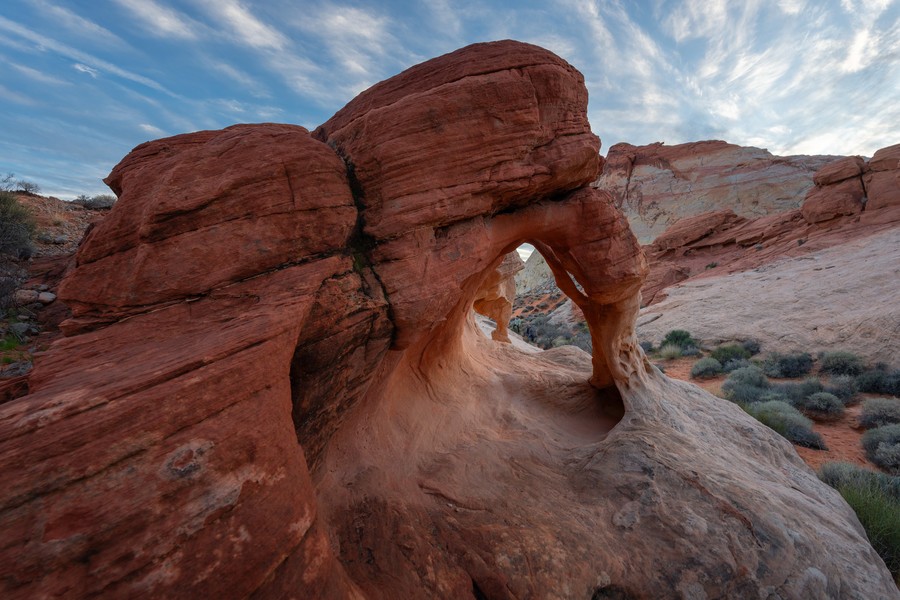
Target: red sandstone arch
(268, 388)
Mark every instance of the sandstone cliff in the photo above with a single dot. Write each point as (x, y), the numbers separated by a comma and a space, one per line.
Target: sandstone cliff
(273, 387)
(656, 185)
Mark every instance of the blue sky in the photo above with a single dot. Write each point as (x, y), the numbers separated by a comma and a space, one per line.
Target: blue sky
(84, 81)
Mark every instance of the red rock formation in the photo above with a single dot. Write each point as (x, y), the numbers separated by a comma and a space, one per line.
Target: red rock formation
(276, 390)
(494, 298)
(656, 185)
(882, 183)
(835, 211)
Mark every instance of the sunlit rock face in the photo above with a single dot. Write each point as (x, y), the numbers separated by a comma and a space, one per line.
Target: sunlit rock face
(656, 185)
(273, 386)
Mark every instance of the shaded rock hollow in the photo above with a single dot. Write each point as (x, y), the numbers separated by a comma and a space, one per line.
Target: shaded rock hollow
(272, 385)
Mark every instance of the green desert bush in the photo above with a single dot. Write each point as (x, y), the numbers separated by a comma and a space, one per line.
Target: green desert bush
(837, 474)
(844, 387)
(839, 362)
(751, 346)
(706, 368)
(690, 351)
(821, 405)
(787, 421)
(875, 497)
(797, 392)
(735, 364)
(878, 412)
(787, 365)
(16, 227)
(882, 446)
(751, 375)
(680, 338)
(728, 352)
(880, 380)
(670, 351)
(746, 385)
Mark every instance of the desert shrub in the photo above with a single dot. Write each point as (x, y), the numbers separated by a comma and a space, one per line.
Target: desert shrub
(728, 352)
(743, 393)
(842, 386)
(540, 331)
(881, 446)
(29, 187)
(787, 421)
(839, 362)
(647, 347)
(746, 385)
(16, 227)
(797, 392)
(787, 365)
(97, 202)
(8, 182)
(821, 405)
(879, 380)
(837, 474)
(670, 351)
(875, 497)
(680, 338)
(751, 346)
(582, 339)
(751, 375)
(706, 368)
(690, 351)
(735, 364)
(878, 412)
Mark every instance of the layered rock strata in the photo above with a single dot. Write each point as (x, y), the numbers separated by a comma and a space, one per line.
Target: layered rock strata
(655, 185)
(851, 199)
(272, 385)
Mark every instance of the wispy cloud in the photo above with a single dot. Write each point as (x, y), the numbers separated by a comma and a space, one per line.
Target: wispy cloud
(241, 78)
(36, 75)
(161, 21)
(85, 69)
(77, 24)
(151, 129)
(246, 28)
(42, 43)
(16, 97)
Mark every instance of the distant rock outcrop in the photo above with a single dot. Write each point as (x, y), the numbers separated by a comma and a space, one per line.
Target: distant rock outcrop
(273, 386)
(494, 299)
(835, 305)
(655, 185)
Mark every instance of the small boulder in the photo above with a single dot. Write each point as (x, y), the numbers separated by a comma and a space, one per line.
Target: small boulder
(839, 170)
(46, 297)
(832, 201)
(16, 369)
(19, 329)
(886, 159)
(23, 297)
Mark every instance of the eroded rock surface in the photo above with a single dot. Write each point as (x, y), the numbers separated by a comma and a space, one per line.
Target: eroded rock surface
(837, 299)
(273, 386)
(494, 299)
(655, 185)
